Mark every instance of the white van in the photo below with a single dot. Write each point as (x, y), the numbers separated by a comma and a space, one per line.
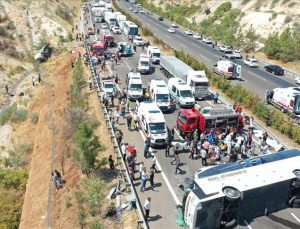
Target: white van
(144, 64)
(152, 122)
(154, 54)
(181, 92)
(135, 89)
(160, 94)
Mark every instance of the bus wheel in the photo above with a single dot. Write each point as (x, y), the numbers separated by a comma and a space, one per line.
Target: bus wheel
(231, 193)
(232, 223)
(294, 200)
(297, 174)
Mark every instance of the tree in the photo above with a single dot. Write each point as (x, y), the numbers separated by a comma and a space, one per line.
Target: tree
(87, 147)
(287, 45)
(272, 46)
(249, 39)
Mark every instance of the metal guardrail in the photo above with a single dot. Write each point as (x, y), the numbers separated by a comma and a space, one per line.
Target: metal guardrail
(141, 222)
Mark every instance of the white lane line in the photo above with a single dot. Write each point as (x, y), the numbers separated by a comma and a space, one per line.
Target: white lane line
(205, 58)
(295, 217)
(183, 45)
(181, 138)
(257, 76)
(247, 224)
(167, 36)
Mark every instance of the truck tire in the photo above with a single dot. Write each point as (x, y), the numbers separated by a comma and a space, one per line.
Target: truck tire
(231, 194)
(294, 200)
(231, 224)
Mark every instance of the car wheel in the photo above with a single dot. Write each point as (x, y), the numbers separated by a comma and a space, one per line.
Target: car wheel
(232, 223)
(231, 193)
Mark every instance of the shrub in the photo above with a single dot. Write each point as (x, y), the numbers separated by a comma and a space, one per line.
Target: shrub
(64, 12)
(19, 115)
(13, 178)
(34, 118)
(292, 4)
(16, 70)
(11, 26)
(288, 19)
(7, 113)
(2, 31)
(244, 2)
(95, 225)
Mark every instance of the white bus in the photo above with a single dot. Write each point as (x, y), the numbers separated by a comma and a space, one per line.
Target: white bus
(223, 196)
(130, 29)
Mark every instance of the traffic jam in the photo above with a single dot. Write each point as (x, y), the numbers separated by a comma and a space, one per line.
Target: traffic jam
(165, 115)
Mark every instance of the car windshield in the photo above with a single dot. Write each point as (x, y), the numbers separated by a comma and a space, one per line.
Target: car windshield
(162, 98)
(144, 63)
(98, 50)
(182, 118)
(109, 38)
(156, 54)
(254, 61)
(138, 39)
(157, 128)
(134, 31)
(201, 84)
(186, 93)
(135, 87)
(228, 52)
(108, 85)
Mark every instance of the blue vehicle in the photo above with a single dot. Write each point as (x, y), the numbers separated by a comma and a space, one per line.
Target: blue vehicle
(125, 49)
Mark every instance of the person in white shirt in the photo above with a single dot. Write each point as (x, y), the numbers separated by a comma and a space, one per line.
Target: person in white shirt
(124, 150)
(147, 206)
(142, 166)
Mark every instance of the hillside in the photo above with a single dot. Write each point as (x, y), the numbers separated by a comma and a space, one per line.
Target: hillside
(265, 16)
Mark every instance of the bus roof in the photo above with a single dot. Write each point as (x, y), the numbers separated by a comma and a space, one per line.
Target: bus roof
(247, 174)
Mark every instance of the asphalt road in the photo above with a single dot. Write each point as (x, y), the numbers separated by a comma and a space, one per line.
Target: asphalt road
(255, 79)
(166, 194)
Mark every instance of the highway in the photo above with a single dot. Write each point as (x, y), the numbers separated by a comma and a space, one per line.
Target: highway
(255, 79)
(167, 194)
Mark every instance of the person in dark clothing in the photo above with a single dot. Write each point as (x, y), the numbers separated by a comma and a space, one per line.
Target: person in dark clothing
(151, 178)
(129, 120)
(111, 163)
(192, 150)
(167, 152)
(39, 78)
(6, 88)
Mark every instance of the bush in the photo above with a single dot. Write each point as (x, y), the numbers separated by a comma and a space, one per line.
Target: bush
(95, 225)
(16, 70)
(11, 26)
(292, 4)
(13, 178)
(288, 19)
(19, 115)
(244, 2)
(34, 118)
(2, 31)
(64, 12)
(7, 113)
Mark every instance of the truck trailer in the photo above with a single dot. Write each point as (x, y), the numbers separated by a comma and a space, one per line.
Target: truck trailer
(197, 80)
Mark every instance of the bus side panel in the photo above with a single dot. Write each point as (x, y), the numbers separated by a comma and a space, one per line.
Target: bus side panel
(263, 200)
(210, 214)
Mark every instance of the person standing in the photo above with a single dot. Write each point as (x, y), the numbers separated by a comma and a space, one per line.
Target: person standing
(6, 89)
(167, 152)
(33, 80)
(177, 163)
(151, 178)
(90, 83)
(153, 166)
(111, 163)
(146, 148)
(129, 120)
(216, 98)
(203, 156)
(143, 179)
(39, 78)
(142, 166)
(147, 207)
(192, 149)
(124, 150)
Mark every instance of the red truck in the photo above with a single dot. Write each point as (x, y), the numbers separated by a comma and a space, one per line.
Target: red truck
(97, 49)
(107, 38)
(209, 118)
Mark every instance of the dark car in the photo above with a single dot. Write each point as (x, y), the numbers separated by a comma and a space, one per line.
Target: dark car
(277, 70)
(160, 18)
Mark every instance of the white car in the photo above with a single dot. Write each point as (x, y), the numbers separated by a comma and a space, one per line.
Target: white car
(135, 11)
(196, 36)
(171, 30)
(188, 32)
(104, 26)
(222, 48)
(138, 41)
(297, 80)
(207, 40)
(116, 30)
(141, 11)
(238, 54)
(174, 25)
(251, 62)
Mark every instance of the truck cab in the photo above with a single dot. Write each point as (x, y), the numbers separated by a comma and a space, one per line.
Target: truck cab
(160, 94)
(198, 82)
(154, 53)
(97, 49)
(208, 118)
(152, 122)
(134, 88)
(108, 87)
(181, 92)
(107, 38)
(144, 64)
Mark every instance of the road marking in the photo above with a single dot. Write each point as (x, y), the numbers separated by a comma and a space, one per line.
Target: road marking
(247, 224)
(257, 76)
(205, 58)
(181, 138)
(167, 36)
(295, 217)
(183, 45)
